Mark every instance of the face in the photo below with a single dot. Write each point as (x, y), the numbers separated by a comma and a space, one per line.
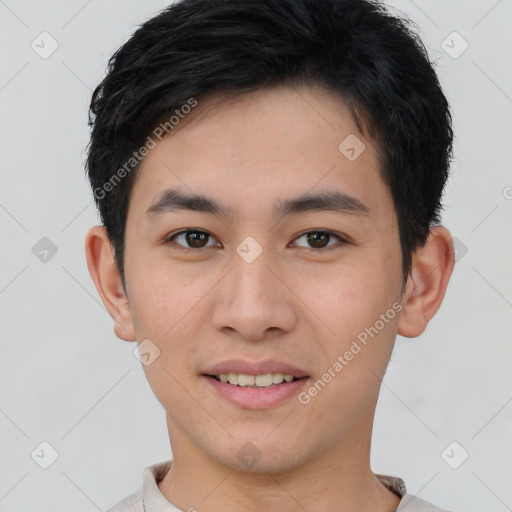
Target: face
(311, 289)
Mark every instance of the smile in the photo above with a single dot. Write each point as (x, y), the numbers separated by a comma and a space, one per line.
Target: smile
(255, 381)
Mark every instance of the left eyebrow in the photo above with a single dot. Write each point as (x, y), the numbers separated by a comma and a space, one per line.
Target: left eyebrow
(172, 200)
(332, 200)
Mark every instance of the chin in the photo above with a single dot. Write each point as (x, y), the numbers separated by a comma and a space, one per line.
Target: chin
(259, 454)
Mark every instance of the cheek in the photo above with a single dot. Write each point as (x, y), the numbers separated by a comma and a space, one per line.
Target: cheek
(357, 355)
(162, 298)
(170, 307)
(165, 309)
(352, 304)
(351, 297)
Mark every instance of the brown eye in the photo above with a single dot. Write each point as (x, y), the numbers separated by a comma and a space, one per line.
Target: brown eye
(319, 239)
(193, 239)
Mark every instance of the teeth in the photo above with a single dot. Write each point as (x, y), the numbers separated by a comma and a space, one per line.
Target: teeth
(277, 378)
(262, 381)
(245, 380)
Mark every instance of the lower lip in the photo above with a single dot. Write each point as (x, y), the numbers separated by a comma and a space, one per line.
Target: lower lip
(256, 398)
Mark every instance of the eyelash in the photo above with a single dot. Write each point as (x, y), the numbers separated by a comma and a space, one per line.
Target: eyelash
(342, 241)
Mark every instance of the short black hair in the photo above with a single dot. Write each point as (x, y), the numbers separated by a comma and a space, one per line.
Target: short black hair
(357, 49)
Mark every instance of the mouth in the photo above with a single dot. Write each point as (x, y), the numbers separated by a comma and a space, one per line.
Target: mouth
(255, 392)
(267, 380)
(255, 384)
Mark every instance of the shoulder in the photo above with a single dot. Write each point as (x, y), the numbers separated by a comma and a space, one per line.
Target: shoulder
(131, 504)
(410, 503)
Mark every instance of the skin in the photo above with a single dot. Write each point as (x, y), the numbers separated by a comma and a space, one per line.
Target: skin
(291, 304)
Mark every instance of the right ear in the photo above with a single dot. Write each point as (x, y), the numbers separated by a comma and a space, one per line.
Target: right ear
(107, 279)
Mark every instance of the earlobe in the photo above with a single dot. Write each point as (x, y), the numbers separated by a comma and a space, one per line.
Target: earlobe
(106, 277)
(432, 266)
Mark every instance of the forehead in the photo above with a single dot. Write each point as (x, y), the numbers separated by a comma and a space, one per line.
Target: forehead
(270, 143)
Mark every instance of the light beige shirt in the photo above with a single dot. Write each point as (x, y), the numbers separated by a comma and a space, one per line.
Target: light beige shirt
(150, 499)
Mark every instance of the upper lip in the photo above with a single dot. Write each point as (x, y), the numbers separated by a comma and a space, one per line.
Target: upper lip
(240, 366)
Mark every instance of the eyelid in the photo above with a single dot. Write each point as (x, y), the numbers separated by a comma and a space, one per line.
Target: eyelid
(343, 240)
(174, 234)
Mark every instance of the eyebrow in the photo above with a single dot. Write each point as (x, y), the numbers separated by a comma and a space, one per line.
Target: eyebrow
(173, 200)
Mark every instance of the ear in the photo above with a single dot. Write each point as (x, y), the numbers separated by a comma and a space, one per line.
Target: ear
(432, 266)
(106, 277)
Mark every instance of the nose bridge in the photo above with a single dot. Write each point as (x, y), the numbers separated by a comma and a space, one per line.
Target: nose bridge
(252, 278)
(253, 299)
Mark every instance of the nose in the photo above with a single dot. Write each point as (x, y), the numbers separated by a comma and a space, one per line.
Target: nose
(254, 301)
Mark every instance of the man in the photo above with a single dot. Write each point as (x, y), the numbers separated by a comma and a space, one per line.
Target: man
(269, 176)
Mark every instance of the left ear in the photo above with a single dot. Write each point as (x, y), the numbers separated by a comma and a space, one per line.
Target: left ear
(432, 266)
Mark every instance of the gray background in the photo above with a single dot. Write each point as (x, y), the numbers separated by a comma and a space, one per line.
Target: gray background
(67, 380)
